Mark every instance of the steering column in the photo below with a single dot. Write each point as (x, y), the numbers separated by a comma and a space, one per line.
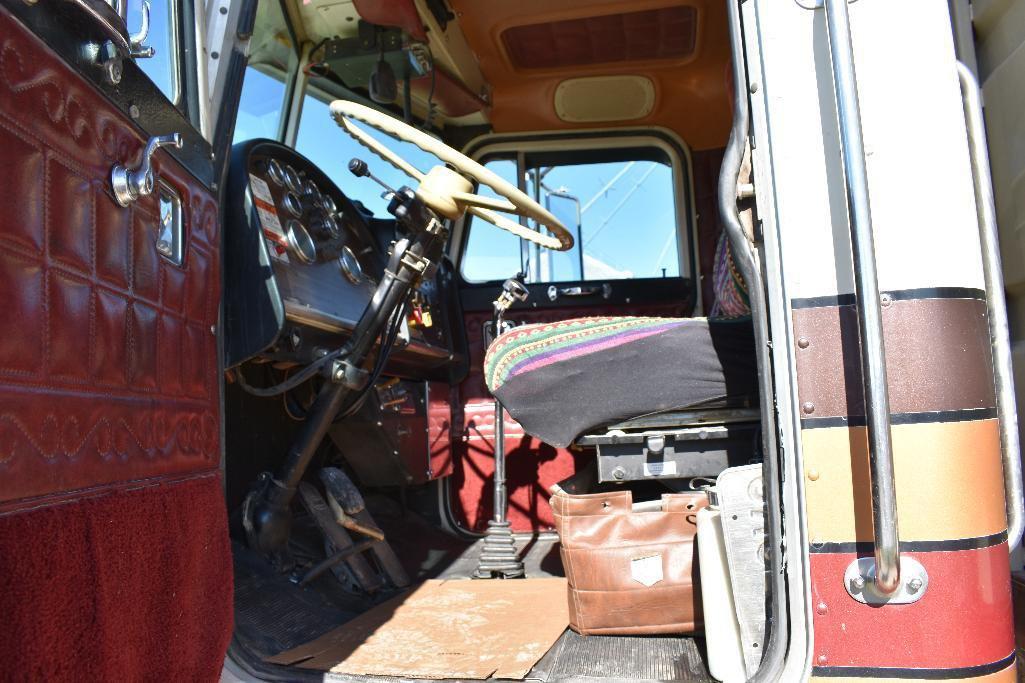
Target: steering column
(266, 513)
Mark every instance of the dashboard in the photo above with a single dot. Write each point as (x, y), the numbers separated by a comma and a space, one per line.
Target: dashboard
(302, 261)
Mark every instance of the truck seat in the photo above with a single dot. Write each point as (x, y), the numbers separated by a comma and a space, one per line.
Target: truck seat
(560, 380)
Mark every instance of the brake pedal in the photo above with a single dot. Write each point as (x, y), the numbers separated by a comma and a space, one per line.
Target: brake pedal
(338, 538)
(344, 497)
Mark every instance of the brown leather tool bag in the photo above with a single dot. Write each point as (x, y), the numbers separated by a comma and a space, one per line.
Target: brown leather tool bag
(630, 571)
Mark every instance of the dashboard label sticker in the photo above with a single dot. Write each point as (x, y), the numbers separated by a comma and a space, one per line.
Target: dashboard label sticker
(277, 250)
(261, 190)
(264, 202)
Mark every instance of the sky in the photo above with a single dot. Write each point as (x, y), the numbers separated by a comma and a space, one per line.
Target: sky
(159, 67)
(628, 218)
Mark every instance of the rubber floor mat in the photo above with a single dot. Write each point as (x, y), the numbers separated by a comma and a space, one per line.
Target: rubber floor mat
(446, 629)
(272, 614)
(624, 658)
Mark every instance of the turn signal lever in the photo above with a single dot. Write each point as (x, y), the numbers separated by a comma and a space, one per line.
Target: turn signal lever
(360, 169)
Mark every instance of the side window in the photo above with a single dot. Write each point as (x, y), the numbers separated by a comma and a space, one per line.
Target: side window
(622, 215)
(492, 253)
(162, 67)
(271, 57)
(321, 141)
(259, 107)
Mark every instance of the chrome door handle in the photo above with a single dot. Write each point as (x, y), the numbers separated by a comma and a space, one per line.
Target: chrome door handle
(555, 292)
(129, 184)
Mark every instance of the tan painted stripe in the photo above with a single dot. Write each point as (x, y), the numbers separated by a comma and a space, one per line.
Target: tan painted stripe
(948, 474)
(937, 357)
(1008, 675)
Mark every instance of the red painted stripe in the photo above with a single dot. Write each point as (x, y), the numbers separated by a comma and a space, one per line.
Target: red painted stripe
(267, 206)
(963, 620)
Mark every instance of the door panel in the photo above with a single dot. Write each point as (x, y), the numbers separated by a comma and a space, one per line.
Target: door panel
(113, 534)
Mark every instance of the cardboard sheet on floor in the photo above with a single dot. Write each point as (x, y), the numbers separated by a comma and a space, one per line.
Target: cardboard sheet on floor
(446, 629)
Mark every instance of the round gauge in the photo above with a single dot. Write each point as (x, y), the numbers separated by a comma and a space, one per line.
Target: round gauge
(275, 172)
(328, 204)
(293, 204)
(350, 266)
(331, 226)
(300, 242)
(292, 180)
(311, 191)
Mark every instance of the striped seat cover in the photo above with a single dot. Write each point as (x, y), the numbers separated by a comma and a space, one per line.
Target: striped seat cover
(562, 379)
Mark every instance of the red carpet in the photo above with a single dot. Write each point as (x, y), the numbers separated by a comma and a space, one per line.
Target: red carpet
(127, 585)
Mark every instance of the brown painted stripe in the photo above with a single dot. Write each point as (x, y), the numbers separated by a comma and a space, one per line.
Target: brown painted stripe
(949, 480)
(937, 358)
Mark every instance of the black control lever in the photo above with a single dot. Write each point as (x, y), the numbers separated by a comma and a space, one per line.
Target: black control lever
(499, 558)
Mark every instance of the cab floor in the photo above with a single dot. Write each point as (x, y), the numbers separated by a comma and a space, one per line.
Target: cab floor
(273, 615)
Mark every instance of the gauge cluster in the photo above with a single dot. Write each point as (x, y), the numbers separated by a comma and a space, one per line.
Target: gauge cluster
(302, 222)
(303, 262)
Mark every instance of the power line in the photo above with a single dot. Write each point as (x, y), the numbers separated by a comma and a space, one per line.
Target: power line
(621, 202)
(600, 193)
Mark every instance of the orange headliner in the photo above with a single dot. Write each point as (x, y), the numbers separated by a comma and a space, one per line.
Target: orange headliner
(692, 95)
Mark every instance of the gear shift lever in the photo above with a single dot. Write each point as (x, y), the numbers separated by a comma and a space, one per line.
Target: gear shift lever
(498, 557)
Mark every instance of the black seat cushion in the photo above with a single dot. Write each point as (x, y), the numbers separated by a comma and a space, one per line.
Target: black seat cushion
(560, 380)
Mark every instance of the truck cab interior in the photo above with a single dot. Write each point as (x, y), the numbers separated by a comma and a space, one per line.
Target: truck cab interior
(625, 358)
(553, 341)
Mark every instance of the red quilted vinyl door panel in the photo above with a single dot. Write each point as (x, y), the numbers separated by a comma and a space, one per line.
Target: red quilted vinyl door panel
(108, 364)
(114, 556)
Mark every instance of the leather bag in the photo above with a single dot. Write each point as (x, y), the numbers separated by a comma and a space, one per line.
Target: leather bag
(630, 571)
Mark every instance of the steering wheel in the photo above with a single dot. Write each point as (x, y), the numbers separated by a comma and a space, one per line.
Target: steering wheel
(448, 192)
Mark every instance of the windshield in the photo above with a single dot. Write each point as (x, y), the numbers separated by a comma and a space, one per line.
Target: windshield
(324, 143)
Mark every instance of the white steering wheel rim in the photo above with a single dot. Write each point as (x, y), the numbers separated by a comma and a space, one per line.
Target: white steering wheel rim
(520, 204)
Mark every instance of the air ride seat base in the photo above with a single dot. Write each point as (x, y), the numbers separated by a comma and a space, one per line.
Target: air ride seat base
(675, 445)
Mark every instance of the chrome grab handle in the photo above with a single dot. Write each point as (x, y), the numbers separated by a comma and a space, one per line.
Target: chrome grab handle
(873, 353)
(135, 40)
(996, 306)
(112, 19)
(555, 292)
(129, 184)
